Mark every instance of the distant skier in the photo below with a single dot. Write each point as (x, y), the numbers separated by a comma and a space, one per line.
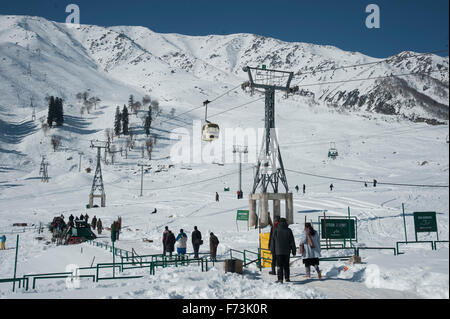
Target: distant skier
(297, 188)
(196, 241)
(71, 218)
(217, 197)
(170, 243)
(304, 188)
(310, 250)
(213, 243)
(3, 242)
(99, 226)
(81, 217)
(375, 183)
(331, 187)
(365, 184)
(182, 240)
(86, 217)
(154, 211)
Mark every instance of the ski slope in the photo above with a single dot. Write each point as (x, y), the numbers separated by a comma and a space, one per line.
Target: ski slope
(391, 149)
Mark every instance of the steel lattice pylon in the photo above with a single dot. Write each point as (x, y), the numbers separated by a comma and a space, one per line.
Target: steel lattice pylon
(270, 168)
(97, 189)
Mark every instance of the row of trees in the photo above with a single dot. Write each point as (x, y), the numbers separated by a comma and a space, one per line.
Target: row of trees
(55, 111)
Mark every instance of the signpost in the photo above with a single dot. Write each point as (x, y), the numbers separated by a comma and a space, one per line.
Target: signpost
(425, 222)
(337, 228)
(242, 215)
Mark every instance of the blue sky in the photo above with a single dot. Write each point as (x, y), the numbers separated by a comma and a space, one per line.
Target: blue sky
(416, 25)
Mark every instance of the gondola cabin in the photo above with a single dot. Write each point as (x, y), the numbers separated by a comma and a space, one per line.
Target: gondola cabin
(210, 132)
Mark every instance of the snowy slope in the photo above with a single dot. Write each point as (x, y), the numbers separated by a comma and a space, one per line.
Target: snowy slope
(181, 72)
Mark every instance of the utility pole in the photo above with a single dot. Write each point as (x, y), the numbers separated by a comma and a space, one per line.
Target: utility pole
(270, 168)
(241, 150)
(142, 175)
(33, 112)
(43, 171)
(98, 189)
(79, 165)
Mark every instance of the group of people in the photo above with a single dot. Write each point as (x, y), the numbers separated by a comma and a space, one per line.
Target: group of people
(282, 244)
(375, 182)
(169, 240)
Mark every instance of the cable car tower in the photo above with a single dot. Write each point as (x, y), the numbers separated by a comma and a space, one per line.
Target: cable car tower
(98, 189)
(270, 168)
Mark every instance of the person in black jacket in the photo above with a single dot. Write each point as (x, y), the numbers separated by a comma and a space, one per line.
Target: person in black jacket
(196, 241)
(272, 246)
(284, 243)
(170, 243)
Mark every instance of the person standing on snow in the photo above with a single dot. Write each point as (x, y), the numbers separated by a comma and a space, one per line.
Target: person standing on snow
(217, 197)
(196, 241)
(170, 243)
(164, 238)
(296, 188)
(213, 243)
(94, 222)
(99, 226)
(310, 250)
(272, 246)
(86, 218)
(304, 188)
(284, 242)
(181, 243)
(331, 187)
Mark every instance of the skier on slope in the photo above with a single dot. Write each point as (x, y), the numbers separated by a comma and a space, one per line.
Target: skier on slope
(94, 222)
(217, 197)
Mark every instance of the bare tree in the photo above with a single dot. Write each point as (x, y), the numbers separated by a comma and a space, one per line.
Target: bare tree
(146, 100)
(112, 153)
(149, 147)
(44, 125)
(155, 108)
(56, 142)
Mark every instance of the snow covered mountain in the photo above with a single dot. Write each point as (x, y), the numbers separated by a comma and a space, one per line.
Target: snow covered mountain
(38, 54)
(39, 58)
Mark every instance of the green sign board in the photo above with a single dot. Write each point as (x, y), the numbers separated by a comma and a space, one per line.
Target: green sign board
(242, 215)
(425, 222)
(338, 228)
